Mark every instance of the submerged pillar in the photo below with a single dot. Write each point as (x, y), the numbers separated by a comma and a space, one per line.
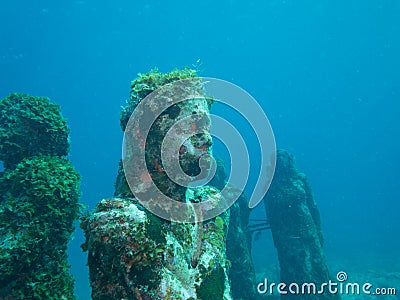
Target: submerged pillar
(39, 193)
(238, 241)
(296, 229)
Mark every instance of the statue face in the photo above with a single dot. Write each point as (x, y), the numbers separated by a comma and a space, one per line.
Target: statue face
(168, 144)
(179, 147)
(186, 143)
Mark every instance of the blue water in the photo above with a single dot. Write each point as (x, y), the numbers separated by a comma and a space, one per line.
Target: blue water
(325, 72)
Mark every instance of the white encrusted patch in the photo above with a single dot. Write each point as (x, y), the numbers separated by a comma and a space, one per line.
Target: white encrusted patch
(136, 214)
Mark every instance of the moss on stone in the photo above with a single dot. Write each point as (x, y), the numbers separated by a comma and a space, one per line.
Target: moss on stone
(155, 228)
(146, 83)
(39, 192)
(212, 287)
(31, 126)
(37, 217)
(126, 254)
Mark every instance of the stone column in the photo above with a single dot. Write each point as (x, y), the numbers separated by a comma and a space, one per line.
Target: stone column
(296, 229)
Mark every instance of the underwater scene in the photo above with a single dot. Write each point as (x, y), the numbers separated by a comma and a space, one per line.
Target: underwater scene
(210, 150)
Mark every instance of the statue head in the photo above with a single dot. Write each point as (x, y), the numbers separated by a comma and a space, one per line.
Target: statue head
(167, 144)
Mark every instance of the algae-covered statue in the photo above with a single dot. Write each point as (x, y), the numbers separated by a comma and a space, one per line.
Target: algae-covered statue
(39, 192)
(134, 251)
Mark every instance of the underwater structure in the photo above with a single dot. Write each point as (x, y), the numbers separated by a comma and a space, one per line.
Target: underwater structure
(295, 223)
(135, 254)
(39, 193)
(238, 241)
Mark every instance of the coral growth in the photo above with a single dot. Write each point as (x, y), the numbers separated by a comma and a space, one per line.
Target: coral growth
(133, 253)
(146, 83)
(31, 126)
(38, 200)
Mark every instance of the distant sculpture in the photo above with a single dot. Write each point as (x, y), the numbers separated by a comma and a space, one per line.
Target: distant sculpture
(296, 229)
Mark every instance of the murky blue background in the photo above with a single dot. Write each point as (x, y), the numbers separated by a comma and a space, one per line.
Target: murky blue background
(326, 73)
